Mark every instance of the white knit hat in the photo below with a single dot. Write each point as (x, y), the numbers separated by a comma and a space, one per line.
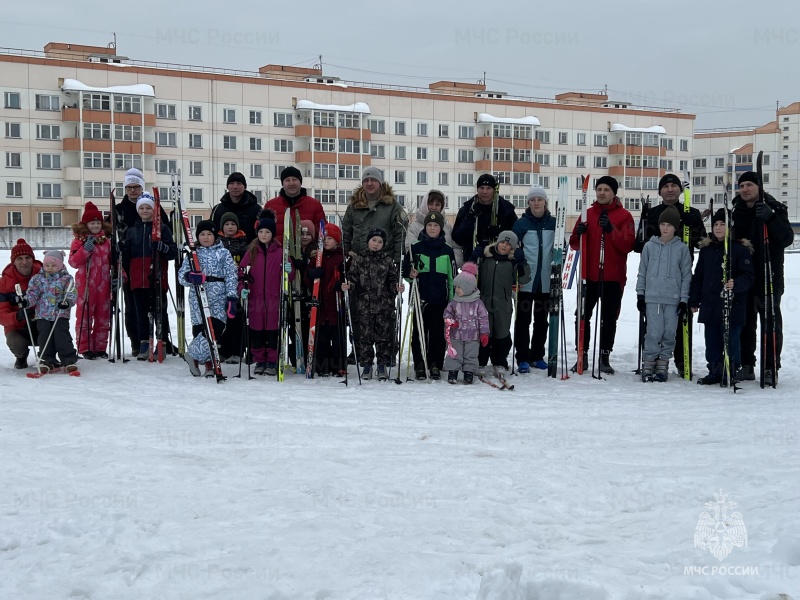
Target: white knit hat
(134, 177)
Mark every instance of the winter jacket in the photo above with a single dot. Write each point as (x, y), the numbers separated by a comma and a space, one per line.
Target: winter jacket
(697, 229)
(496, 277)
(46, 290)
(137, 254)
(416, 226)
(471, 315)
(92, 267)
(329, 285)
(126, 215)
(665, 272)
(359, 219)
(236, 245)
(265, 282)
(748, 226)
(537, 235)
(246, 210)
(464, 227)
(8, 295)
(218, 265)
(618, 243)
(309, 207)
(436, 267)
(374, 280)
(707, 280)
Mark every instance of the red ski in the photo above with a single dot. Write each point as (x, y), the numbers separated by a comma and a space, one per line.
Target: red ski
(312, 324)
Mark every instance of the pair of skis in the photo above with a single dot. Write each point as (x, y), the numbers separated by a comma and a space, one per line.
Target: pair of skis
(556, 309)
(156, 351)
(180, 292)
(769, 330)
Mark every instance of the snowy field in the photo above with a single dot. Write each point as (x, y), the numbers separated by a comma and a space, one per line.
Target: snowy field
(138, 481)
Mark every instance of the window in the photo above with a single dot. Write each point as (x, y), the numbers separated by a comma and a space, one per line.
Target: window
(325, 119)
(255, 117)
(96, 189)
(169, 139)
(501, 131)
(683, 165)
(699, 163)
(600, 162)
(399, 127)
(503, 177)
(195, 167)
(580, 139)
(719, 163)
(166, 166)
(522, 132)
(466, 179)
(13, 160)
(95, 131)
(684, 145)
(49, 219)
(50, 190)
(650, 139)
(49, 132)
(48, 161)
(562, 160)
(349, 171)
(444, 131)
(321, 145)
(282, 120)
(400, 152)
(255, 144)
(542, 159)
(666, 164)
(601, 140)
(256, 171)
(543, 136)
(633, 138)
(522, 179)
(377, 125)
(766, 177)
(422, 154)
(633, 160)
(128, 133)
(650, 162)
(349, 121)
(44, 102)
(666, 143)
(466, 156)
(195, 220)
(14, 218)
(401, 199)
(502, 154)
(698, 198)
(96, 101)
(399, 176)
(229, 115)
(350, 146)
(195, 195)
(719, 180)
(744, 159)
(444, 179)
(563, 136)
(698, 180)
(632, 183)
(13, 130)
(466, 132)
(228, 168)
(276, 170)
(96, 160)
(195, 113)
(344, 197)
(229, 142)
(12, 100)
(544, 182)
(325, 171)
(766, 159)
(580, 161)
(165, 111)
(14, 189)
(444, 154)
(376, 151)
(649, 183)
(422, 178)
(325, 196)
(422, 129)
(128, 104)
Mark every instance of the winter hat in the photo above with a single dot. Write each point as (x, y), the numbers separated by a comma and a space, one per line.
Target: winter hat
(467, 279)
(718, 216)
(206, 225)
(236, 177)
(487, 179)
(134, 177)
(670, 215)
(610, 182)
(508, 236)
(266, 223)
(373, 172)
(334, 232)
(307, 224)
(537, 191)
(748, 176)
(291, 172)
(229, 216)
(669, 178)
(147, 199)
(54, 257)
(21, 248)
(434, 217)
(91, 213)
(376, 232)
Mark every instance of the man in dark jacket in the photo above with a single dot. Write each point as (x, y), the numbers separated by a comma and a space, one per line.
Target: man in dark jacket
(749, 218)
(480, 209)
(240, 202)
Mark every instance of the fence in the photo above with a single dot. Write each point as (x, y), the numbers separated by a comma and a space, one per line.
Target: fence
(39, 238)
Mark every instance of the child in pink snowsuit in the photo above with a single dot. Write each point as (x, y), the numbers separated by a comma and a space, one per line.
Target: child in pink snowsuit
(468, 322)
(90, 254)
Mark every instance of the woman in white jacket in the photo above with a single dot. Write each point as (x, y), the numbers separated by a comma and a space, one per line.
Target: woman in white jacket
(433, 201)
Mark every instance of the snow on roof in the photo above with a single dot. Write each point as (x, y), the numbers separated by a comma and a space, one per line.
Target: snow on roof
(653, 129)
(139, 89)
(358, 107)
(487, 118)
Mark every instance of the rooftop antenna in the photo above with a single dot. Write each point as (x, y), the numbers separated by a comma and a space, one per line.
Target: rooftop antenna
(319, 64)
(114, 43)
(482, 81)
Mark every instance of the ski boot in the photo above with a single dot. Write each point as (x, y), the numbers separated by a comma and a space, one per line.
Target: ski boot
(523, 368)
(540, 364)
(367, 372)
(746, 373)
(452, 377)
(605, 367)
(648, 370)
(709, 379)
(770, 377)
(574, 368)
(467, 377)
(662, 370)
(194, 366)
(144, 350)
(382, 376)
(260, 369)
(272, 369)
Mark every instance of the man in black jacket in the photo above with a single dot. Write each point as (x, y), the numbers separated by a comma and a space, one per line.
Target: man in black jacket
(749, 217)
(479, 209)
(240, 202)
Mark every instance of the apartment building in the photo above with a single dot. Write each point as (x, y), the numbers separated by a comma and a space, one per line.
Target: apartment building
(76, 117)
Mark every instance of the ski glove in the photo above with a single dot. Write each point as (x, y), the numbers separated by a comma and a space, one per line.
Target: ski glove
(681, 311)
(299, 263)
(21, 314)
(22, 302)
(484, 340)
(581, 228)
(88, 245)
(640, 304)
(231, 309)
(315, 273)
(195, 277)
(605, 222)
(160, 247)
(764, 212)
(244, 293)
(63, 305)
(287, 266)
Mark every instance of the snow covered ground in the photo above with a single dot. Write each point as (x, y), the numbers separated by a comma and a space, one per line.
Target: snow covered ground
(138, 481)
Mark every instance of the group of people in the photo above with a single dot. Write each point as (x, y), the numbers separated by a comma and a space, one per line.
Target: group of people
(466, 280)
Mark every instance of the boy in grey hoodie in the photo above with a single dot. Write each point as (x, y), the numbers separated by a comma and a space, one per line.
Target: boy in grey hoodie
(662, 291)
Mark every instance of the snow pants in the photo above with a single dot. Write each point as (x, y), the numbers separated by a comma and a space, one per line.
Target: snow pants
(60, 342)
(662, 323)
(466, 358)
(92, 321)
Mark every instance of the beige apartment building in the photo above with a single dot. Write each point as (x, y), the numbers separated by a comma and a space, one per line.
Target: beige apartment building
(76, 117)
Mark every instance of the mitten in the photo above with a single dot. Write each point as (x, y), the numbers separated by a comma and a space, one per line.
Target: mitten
(231, 308)
(287, 266)
(63, 305)
(315, 273)
(763, 211)
(195, 277)
(640, 304)
(244, 293)
(88, 245)
(681, 311)
(581, 228)
(484, 339)
(160, 246)
(22, 302)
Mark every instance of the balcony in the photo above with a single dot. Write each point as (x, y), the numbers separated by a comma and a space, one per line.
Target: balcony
(332, 158)
(307, 130)
(636, 150)
(74, 145)
(104, 116)
(487, 166)
(619, 172)
(485, 141)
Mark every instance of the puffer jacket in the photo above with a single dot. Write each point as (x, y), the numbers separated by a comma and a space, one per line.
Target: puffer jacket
(707, 280)
(496, 277)
(416, 227)
(236, 245)
(471, 315)
(374, 279)
(92, 267)
(246, 210)
(359, 219)
(266, 267)
(618, 243)
(537, 235)
(8, 295)
(435, 264)
(137, 254)
(46, 290)
(665, 272)
(220, 269)
(308, 207)
(464, 229)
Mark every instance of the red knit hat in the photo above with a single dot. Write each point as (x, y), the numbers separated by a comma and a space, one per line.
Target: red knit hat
(305, 223)
(333, 231)
(91, 213)
(21, 249)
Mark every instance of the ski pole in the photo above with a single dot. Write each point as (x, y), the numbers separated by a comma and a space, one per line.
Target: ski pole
(18, 289)
(70, 287)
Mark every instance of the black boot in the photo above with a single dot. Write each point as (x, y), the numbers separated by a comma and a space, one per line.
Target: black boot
(605, 367)
(452, 377)
(22, 361)
(574, 368)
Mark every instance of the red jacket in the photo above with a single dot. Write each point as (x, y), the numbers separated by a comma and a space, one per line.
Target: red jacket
(329, 286)
(618, 244)
(310, 210)
(8, 305)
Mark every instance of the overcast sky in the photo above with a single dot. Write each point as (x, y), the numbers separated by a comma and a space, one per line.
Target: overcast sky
(727, 62)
